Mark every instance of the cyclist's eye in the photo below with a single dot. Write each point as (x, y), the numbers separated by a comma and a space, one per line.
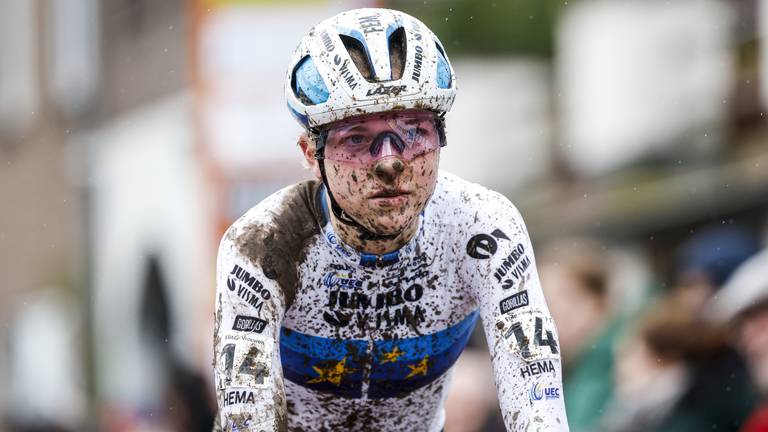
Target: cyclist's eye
(355, 140)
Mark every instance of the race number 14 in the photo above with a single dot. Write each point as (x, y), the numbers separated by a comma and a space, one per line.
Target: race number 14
(528, 334)
(253, 364)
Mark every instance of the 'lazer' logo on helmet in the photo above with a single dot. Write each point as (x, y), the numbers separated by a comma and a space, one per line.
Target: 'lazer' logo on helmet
(386, 90)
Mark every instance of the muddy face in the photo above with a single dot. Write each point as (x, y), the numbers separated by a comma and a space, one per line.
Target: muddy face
(387, 195)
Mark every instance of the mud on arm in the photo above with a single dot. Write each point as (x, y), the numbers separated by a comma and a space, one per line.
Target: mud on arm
(247, 368)
(521, 334)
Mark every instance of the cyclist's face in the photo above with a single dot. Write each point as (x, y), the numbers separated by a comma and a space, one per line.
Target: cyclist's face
(386, 197)
(384, 188)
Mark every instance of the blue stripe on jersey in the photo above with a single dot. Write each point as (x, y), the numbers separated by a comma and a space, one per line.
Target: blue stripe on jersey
(334, 368)
(397, 366)
(401, 366)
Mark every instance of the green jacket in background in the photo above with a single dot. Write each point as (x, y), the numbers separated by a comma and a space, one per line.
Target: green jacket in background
(588, 381)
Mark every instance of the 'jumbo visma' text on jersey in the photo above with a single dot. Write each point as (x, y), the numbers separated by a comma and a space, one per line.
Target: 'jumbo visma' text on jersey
(313, 336)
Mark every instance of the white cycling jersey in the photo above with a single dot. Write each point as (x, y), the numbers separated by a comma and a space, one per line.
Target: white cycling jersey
(312, 335)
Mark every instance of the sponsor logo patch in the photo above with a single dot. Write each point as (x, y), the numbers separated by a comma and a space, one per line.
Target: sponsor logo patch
(386, 90)
(249, 324)
(370, 23)
(236, 397)
(537, 368)
(248, 288)
(514, 301)
(540, 391)
(342, 280)
(483, 246)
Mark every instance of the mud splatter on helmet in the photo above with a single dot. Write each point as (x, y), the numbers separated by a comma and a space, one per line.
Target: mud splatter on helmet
(366, 61)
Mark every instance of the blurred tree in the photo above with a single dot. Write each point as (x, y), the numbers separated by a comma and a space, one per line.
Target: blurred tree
(494, 27)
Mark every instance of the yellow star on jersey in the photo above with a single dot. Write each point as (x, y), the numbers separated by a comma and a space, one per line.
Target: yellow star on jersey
(392, 356)
(418, 368)
(332, 374)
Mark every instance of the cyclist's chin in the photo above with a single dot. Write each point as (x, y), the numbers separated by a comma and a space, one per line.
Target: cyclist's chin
(391, 223)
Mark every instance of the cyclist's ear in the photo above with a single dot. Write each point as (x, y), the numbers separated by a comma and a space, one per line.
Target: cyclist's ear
(307, 146)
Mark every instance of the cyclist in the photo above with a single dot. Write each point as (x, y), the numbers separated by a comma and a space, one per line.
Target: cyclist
(343, 302)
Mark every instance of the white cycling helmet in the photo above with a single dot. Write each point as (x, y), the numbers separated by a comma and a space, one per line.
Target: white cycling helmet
(366, 61)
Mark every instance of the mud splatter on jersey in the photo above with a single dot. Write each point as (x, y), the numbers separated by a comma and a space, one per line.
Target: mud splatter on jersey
(312, 335)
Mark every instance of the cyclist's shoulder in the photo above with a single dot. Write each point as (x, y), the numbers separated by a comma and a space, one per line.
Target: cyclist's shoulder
(287, 212)
(460, 200)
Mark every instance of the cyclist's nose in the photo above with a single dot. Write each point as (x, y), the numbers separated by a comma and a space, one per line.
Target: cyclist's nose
(388, 169)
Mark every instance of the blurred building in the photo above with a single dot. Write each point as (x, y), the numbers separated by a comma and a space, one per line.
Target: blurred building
(49, 75)
(68, 66)
(659, 128)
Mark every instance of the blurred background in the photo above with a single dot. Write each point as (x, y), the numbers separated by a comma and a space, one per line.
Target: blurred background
(631, 134)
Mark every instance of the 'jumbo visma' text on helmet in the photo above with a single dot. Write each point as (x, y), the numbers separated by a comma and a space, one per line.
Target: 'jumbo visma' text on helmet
(366, 61)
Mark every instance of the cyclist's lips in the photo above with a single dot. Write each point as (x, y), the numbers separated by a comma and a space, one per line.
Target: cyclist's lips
(390, 197)
(389, 193)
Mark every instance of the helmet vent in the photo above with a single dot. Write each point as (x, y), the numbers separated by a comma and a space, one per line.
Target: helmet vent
(444, 79)
(359, 56)
(397, 52)
(307, 84)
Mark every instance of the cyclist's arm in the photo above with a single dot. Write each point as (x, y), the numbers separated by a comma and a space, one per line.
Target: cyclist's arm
(247, 368)
(521, 335)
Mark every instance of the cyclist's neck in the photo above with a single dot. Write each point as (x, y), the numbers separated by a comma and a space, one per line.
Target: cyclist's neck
(352, 236)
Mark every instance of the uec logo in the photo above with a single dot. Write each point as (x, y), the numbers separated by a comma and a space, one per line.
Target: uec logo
(539, 392)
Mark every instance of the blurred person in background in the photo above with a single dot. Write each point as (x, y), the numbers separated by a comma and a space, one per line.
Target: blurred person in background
(574, 274)
(675, 372)
(706, 260)
(743, 303)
